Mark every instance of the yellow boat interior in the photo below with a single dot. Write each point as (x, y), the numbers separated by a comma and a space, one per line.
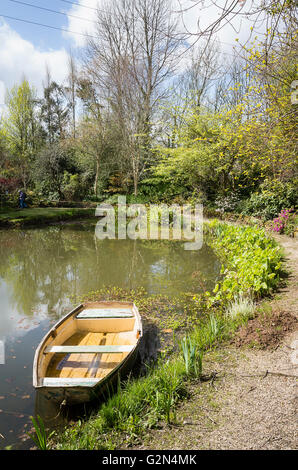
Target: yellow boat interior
(90, 343)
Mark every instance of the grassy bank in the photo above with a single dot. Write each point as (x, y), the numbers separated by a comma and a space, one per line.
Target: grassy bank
(251, 268)
(36, 216)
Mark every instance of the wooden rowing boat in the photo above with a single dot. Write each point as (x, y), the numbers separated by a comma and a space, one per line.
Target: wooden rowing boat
(83, 354)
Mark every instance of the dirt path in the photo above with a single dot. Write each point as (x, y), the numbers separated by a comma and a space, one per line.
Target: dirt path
(253, 403)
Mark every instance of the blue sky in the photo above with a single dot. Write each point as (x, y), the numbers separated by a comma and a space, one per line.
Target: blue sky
(27, 49)
(42, 38)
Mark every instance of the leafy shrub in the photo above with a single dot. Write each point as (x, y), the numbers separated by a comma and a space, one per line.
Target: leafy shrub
(71, 187)
(252, 260)
(227, 203)
(271, 199)
(9, 184)
(291, 225)
(139, 199)
(112, 199)
(8, 191)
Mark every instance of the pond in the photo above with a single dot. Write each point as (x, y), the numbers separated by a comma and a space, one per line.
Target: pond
(42, 269)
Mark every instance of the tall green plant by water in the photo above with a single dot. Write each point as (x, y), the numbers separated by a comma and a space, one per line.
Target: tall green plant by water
(192, 358)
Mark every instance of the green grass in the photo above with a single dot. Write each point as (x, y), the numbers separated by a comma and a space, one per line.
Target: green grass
(40, 215)
(241, 307)
(137, 406)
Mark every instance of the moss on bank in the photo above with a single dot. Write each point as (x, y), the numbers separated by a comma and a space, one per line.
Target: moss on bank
(35, 216)
(206, 320)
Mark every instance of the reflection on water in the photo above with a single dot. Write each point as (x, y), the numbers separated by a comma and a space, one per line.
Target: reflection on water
(40, 271)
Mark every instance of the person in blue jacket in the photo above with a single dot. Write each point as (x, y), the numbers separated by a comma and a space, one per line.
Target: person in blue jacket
(22, 197)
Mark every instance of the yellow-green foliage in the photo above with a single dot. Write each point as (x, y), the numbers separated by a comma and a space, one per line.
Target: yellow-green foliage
(245, 142)
(252, 260)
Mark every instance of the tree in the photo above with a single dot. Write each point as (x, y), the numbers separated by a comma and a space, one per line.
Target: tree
(129, 63)
(54, 110)
(50, 167)
(89, 96)
(95, 140)
(248, 142)
(97, 148)
(21, 128)
(190, 91)
(200, 75)
(71, 90)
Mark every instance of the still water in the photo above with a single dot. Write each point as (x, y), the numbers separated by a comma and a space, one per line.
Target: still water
(40, 272)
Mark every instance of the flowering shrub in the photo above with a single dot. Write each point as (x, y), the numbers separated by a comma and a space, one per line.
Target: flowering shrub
(279, 223)
(9, 184)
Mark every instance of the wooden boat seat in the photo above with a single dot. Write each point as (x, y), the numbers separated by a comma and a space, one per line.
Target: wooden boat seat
(89, 349)
(68, 382)
(105, 313)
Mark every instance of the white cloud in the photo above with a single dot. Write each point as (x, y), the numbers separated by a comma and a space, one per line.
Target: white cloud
(202, 15)
(85, 23)
(188, 13)
(19, 58)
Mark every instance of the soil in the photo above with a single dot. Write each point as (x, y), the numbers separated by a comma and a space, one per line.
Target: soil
(252, 403)
(267, 330)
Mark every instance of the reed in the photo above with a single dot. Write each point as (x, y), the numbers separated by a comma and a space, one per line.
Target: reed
(192, 357)
(40, 437)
